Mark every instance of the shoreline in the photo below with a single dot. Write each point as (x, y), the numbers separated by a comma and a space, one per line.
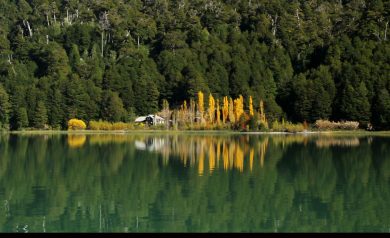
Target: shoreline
(218, 132)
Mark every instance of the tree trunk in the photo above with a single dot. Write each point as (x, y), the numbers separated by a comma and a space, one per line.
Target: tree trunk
(29, 28)
(102, 42)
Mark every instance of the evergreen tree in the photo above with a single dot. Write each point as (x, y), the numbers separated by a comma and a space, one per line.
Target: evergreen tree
(4, 108)
(112, 107)
(40, 116)
(21, 118)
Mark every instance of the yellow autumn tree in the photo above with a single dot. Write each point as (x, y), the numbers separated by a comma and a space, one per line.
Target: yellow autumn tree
(225, 109)
(76, 124)
(211, 109)
(218, 113)
(263, 119)
(201, 103)
(232, 118)
(238, 107)
(251, 113)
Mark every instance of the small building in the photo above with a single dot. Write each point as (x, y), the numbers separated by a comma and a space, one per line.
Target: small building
(150, 120)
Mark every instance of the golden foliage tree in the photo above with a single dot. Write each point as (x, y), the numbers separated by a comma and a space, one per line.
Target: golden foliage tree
(262, 113)
(225, 109)
(211, 109)
(201, 103)
(232, 118)
(251, 113)
(238, 107)
(218, 113)
(76, 124)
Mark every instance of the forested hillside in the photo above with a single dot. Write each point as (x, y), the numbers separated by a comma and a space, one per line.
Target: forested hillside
(114, 59)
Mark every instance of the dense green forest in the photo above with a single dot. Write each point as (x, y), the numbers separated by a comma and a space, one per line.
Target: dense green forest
(112, 60)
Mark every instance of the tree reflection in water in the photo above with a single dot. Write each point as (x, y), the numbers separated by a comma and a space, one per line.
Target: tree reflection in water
(226, 183)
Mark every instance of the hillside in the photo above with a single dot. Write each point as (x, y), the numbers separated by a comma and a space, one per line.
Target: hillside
(112, 60)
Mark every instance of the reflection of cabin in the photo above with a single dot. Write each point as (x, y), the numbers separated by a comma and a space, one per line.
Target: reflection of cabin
(150, 120)
(150, 144)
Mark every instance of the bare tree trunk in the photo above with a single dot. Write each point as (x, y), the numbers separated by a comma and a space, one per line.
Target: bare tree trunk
(299, 20)
(47, 19)
(55, 19)
(47, 39)
(102, 42)
(100, 218)
(274, 22)
(44, 224)
(29, 28)
(385, 37)
(138, 41)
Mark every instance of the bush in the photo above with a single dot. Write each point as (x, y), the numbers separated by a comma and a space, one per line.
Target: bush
(330, 125)
(253, 123)
(277, 126)
(263, 126)
(76, 124)
(293, 128)
(287, 127)
(108, 126)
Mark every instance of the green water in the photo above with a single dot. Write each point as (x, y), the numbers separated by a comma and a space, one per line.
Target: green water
(194, 183)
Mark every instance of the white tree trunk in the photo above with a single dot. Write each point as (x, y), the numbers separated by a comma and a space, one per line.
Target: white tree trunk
(102, 42)
(29, 28)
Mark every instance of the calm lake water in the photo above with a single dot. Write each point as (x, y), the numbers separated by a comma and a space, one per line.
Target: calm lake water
(194, 183)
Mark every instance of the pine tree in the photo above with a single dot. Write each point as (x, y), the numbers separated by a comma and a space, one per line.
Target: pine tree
(40, 118)
(21, 118)
(4, 108)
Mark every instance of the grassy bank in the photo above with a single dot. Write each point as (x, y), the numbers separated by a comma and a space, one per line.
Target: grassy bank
(158, 131)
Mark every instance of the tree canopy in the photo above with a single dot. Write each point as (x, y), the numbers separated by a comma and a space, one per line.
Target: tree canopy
(85, 59)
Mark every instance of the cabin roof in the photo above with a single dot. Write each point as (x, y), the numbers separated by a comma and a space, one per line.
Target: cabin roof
(143, 118)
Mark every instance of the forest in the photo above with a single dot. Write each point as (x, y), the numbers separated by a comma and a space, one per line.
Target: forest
(115, 60)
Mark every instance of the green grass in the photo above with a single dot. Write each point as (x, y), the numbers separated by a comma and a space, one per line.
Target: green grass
(215, 132)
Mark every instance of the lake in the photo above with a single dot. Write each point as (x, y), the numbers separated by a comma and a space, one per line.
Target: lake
(194, 183)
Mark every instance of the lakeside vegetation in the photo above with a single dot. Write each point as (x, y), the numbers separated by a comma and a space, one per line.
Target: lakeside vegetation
(114, 60)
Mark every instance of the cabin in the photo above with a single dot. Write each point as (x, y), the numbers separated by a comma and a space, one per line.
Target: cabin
(150, 120)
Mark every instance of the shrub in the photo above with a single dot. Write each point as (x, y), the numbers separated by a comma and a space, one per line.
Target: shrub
(287, 127)
(277, 126)
(330, 125)
(76, 124)
(263, 126)
(108, 126)
(293, 128)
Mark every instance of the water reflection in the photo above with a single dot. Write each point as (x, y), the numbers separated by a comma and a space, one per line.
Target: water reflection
(226, 183)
